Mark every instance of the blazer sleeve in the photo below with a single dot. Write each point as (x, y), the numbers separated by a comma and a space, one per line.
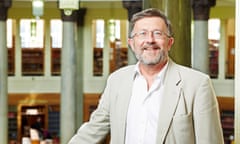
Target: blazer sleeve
(206, 114)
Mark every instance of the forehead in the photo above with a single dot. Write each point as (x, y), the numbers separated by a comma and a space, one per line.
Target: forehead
(150, 23)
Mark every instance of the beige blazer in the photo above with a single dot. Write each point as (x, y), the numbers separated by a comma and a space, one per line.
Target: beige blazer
(189, 113)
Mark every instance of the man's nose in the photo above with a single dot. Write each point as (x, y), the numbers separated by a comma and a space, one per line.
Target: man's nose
(150, 37)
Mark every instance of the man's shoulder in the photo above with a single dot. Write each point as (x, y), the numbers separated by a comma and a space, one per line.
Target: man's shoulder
(124, 72)
(125, 69)
(186, 70)
(191, 72)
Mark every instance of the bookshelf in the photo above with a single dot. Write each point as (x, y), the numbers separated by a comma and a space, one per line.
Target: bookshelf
(12, 123)
(11, 62)
(11, 58)
(227, 120)
(213, 58)
(119, 58)
(32, 61)
(56, 61)
(230, 57)
(98, 62)
(226, 107)
(54, 120)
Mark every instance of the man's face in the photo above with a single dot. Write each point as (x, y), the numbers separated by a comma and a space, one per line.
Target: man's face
(150, 41)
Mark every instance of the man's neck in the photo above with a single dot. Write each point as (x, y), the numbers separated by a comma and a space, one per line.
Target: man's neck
(150, 72)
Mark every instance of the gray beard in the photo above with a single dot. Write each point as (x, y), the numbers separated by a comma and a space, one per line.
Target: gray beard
(159, 59)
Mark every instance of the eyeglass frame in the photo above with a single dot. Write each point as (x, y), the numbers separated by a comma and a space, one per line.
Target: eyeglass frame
(145, 34)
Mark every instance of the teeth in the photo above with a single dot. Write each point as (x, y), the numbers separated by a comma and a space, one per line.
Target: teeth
(150, 48)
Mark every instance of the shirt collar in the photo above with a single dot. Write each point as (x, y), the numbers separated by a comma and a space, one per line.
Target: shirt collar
(160, 75)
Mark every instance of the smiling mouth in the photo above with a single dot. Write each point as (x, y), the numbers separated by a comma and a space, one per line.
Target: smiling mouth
(151, 48)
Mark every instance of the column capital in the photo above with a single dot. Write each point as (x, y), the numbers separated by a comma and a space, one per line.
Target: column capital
(132, 7)
(80, 16)
(71, 18)
(4, 5)
(201, 8)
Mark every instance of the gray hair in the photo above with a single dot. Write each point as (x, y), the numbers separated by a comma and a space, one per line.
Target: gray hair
(151, 12)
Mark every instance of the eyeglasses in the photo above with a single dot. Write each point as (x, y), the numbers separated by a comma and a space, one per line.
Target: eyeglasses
(157, 34)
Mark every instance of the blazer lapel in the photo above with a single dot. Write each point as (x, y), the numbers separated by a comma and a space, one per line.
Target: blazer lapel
(171, 93)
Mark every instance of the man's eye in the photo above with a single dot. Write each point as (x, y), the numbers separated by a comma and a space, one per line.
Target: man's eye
(143, 33)
(158, 33)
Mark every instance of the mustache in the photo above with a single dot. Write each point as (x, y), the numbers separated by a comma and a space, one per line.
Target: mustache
(150, 46)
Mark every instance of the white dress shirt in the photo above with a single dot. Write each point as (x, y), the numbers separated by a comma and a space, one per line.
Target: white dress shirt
(143, 111)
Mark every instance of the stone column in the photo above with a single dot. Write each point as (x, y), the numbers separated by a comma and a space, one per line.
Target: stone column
(68, 77)
(4, 5)
(154, 4)
(79, 67)
(200, 51)
(3, 82)
(132, 8)
(179, 13)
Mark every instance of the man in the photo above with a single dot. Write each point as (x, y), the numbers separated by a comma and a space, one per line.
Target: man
(155, 101)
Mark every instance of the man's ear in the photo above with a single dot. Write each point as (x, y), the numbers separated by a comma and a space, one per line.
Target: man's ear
(130, 43)
(170, 43)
